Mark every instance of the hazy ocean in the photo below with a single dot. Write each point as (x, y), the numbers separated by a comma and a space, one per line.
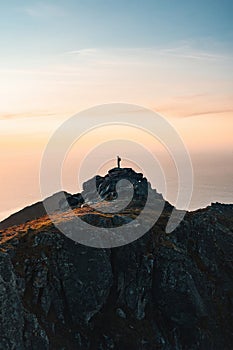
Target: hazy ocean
(213, 182)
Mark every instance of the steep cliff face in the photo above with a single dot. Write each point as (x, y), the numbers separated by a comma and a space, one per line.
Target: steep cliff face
(163, 291)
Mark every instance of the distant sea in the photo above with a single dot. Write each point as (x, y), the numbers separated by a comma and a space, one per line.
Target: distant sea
(213, 182)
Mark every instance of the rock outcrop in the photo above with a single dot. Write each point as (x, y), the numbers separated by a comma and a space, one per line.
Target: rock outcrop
(163, 291)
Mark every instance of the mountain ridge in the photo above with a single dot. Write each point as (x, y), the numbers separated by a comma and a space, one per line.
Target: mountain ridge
(163, 291)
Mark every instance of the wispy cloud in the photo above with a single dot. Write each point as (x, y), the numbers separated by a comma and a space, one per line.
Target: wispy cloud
(82, 77)
(198, 105)
(84, 52)
(43, 10)
(187, 52)
(210, 112)
(188, 111)
(9, 116)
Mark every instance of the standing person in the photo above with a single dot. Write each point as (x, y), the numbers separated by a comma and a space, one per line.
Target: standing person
(118, 162)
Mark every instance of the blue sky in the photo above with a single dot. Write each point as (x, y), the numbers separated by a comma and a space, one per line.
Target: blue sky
(44, 28)
(55, 45)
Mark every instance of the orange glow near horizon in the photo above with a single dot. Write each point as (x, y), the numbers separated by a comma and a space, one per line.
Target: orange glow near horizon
(193, 93)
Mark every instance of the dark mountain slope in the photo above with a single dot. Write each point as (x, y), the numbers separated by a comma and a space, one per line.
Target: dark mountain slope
(163, 291)
(34, 211)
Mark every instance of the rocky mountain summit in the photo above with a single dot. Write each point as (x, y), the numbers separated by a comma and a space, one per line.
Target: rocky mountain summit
(163, 291)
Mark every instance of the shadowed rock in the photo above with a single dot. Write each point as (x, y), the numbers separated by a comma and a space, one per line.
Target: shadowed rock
(163, 291)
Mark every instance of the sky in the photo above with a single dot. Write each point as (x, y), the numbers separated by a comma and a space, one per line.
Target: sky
(61, 57)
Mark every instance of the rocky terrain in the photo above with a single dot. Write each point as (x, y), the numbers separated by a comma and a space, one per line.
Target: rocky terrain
(163, 291)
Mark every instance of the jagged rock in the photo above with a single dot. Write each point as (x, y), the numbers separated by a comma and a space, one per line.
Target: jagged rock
(19, 328)
(106, 187)
(11, 317)
(120, 313)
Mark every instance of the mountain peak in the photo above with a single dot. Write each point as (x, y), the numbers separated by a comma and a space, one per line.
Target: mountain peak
(159, 292)
(117, 184)
(108, 187)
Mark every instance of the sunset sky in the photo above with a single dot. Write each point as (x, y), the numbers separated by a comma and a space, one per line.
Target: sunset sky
(60, 57)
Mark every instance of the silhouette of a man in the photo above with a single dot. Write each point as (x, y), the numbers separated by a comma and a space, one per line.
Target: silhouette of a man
(118, 162)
